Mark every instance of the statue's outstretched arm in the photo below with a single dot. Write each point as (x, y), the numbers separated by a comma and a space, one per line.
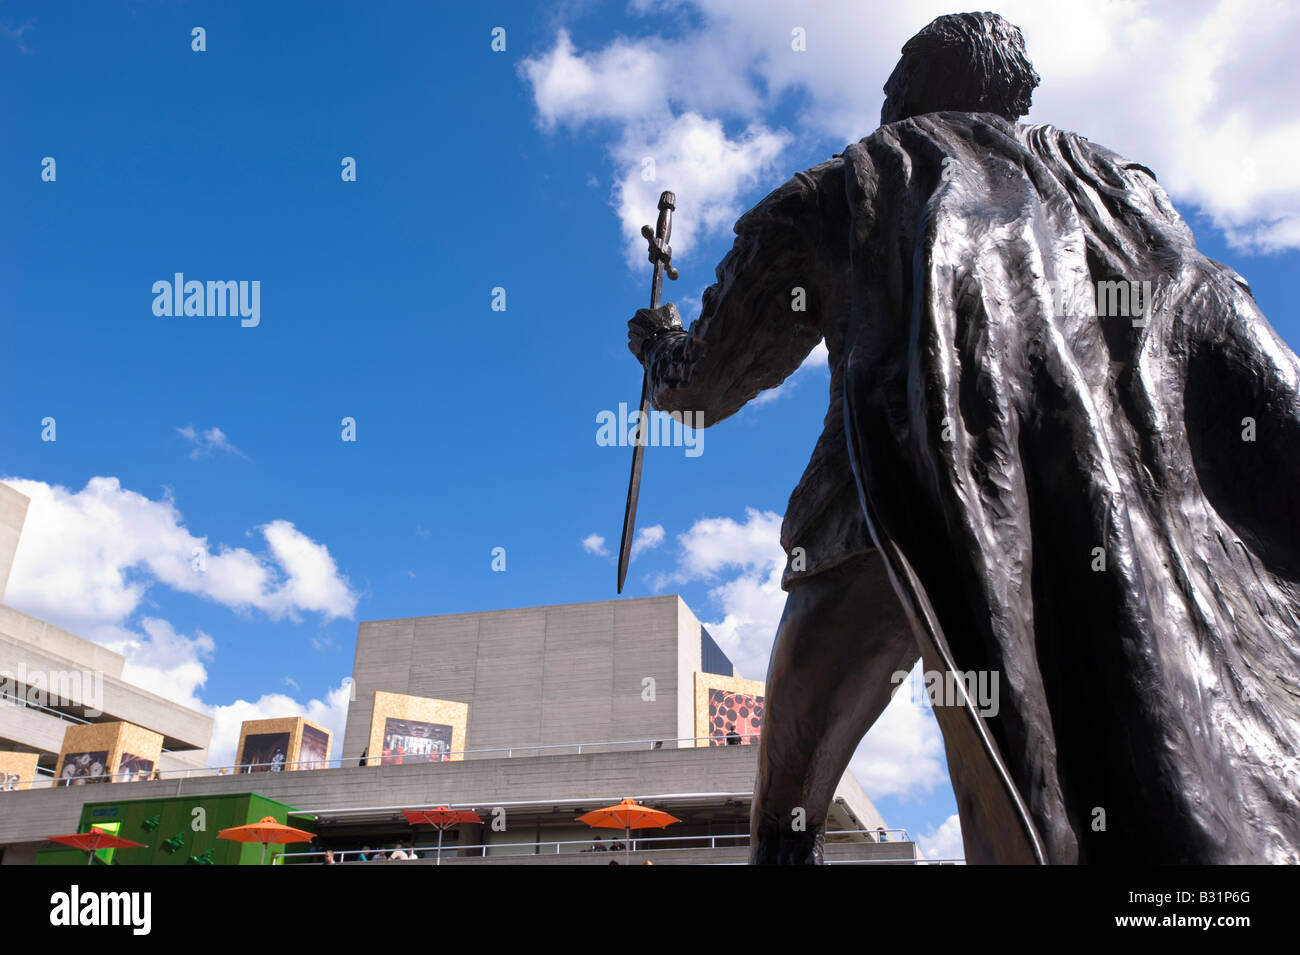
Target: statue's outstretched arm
(763, 315)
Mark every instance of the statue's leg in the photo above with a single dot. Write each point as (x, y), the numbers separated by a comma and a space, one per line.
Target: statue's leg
(842, 636)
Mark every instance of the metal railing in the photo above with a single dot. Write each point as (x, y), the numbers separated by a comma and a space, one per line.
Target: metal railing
(364, 759)
(636, 844)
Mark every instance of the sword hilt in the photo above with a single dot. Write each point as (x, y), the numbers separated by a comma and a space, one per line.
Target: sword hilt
(661, 253)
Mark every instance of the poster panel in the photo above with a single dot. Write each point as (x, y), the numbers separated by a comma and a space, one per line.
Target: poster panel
(265, 753)
(410, 741)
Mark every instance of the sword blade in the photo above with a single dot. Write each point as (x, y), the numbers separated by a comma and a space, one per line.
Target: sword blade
(633, 485)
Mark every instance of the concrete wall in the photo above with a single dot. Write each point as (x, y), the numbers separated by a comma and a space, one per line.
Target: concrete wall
(534, 676)
(71, 651)
(585, 781)
(862, 810)
(34, 729)
(182, 728)
(13, 513)
(43, 731)
(599, 777)
(869, 853)
(689, 662)
(183, 760)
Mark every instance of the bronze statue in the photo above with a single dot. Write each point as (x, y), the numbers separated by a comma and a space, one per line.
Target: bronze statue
(1024, 473)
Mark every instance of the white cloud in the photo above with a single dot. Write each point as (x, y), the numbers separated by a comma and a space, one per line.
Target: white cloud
(312, 580)
(715, 544)
(903, 753)
(171, 665)
(331, 713)
(654, 149)
(1201, 93)
(943, 842)
(16, 34)
(87, 558)
(647, 538)
(620, 82)
(595, 544)
(708, 170)
(161, 660)
(208, 442)
(743, 563)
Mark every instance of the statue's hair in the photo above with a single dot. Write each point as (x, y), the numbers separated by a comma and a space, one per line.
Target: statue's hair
(971, 62)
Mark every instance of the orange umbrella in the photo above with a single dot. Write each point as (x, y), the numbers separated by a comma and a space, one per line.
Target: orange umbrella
(94, 840)
(628, 815)
(267, 832)
(441, 818)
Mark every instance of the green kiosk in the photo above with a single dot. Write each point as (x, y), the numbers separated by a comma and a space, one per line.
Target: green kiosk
(180, 830)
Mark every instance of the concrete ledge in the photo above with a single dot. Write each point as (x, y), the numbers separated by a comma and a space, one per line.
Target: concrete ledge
(598, 777)
(866, 853)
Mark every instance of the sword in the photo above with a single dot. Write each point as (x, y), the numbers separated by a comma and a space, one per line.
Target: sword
(661, 255)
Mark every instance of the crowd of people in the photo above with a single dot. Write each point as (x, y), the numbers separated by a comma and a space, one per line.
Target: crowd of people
(615, 845)
(396, 854)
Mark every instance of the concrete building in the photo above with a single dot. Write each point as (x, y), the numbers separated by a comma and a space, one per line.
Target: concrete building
(51, 679)
(570, 707)
(544, 676)
(529, 717)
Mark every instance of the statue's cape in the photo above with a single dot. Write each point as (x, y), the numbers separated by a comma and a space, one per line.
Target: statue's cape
(1100, 513)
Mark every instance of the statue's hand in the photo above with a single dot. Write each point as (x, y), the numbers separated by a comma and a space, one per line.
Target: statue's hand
(648, 325)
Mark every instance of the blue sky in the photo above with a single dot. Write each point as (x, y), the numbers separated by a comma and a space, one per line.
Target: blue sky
(476, 428)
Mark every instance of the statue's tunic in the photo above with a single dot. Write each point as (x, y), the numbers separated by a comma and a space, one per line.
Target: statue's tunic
(1099, 511)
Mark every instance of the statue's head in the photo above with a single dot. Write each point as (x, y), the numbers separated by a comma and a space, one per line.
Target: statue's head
(971, 62)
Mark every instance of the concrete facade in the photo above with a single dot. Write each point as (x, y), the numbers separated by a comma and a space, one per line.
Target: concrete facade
(539, 676)
(529, 787)
(13, 514)
(52, 680)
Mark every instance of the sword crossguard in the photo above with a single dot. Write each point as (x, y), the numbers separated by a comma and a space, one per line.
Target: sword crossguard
(661, 253)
